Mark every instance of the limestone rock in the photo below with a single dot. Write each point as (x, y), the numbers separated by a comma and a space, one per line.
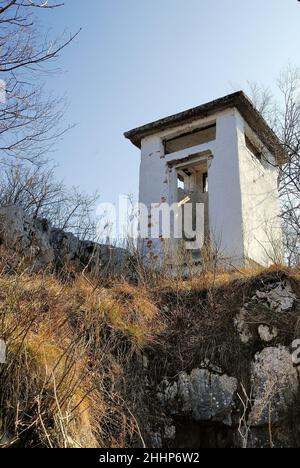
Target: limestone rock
(69, 250)
(280, 296)
(207, 364)
(42, 246)
(275, 382)
(242, 327)
(167, 392)
(184, 392)
(26, 236)
(156, 440)
(170, 432)
(212, 396)
(207, 396)
(267, 334)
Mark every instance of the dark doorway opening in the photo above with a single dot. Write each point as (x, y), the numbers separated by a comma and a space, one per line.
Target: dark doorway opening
(203, 435)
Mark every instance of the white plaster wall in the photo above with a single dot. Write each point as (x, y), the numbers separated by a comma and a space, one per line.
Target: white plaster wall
(225, 204)
(158, 184)
(154, 185)
(243, 197)
(260, 204)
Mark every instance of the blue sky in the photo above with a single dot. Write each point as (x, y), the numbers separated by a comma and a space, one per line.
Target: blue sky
(136, 61)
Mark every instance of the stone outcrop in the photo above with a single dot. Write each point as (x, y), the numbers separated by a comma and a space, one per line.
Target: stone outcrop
(267, 334)
(69, 250)
(204, 395)
(280, 296)
(242, 327)
(277, 297)
(41, 246)
(275, 385)
(208, 407)
(27, 237)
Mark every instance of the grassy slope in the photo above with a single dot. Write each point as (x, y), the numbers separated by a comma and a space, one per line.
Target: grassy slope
(75, 371)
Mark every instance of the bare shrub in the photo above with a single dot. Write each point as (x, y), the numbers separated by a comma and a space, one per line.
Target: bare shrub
(283, 115)
(41, 195)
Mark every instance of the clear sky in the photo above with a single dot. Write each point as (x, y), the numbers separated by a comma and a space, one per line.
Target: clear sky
(139, 60)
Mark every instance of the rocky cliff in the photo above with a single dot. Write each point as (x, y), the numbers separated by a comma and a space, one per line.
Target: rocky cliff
(41, 246)
(229, 367)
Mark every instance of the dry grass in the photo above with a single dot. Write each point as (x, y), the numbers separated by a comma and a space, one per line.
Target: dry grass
(75, 374)
(74, 355)
(44, 386)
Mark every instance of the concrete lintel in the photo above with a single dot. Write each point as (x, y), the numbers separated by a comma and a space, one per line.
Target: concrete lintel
(193, 161)
(206, 148)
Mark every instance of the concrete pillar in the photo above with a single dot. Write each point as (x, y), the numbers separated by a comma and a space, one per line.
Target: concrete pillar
(225, 207)
(154, 187)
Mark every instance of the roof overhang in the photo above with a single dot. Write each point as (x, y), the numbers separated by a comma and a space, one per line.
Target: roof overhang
(236, 100)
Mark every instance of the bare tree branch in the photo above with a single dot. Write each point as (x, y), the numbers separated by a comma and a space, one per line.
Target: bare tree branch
(37, 191)
(284, 117)
(29, 119)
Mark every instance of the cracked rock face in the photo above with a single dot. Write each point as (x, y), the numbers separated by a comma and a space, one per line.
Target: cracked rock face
(254, 406)
(280, 296)
(205, 395)
(69, 249)
(41, 245)
(275, 383)
(26, 236)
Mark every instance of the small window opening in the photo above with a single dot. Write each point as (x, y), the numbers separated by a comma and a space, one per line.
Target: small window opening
(205, 182)
(180, 182)
(190, 139)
